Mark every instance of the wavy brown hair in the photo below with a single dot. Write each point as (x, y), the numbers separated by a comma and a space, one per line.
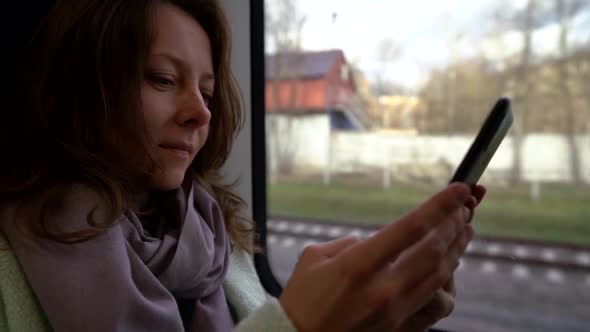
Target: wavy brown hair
(77, 118)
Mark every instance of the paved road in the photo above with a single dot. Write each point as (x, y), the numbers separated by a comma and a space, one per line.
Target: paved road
(494, 294)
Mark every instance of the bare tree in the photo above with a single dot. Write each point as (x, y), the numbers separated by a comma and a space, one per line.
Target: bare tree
(581, 59)
(450, 82)
(565, 12)
(387, 51)
(283, 25)
(480, 84)
(526, 20)
(364, 98)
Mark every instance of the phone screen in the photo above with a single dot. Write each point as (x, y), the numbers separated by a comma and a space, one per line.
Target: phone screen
(486, 143)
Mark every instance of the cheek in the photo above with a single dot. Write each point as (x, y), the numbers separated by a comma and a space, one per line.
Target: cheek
(156, 110)
(203, 134)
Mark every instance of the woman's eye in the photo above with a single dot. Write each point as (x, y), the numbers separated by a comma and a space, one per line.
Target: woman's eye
(161, 80)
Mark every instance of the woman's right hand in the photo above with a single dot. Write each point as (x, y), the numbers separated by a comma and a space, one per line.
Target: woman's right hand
(351, 284)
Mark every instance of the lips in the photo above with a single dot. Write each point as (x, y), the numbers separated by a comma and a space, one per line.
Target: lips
(178, 147)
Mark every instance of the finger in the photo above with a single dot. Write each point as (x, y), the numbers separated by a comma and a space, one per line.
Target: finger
(376, 322)
(328, 249)
(453, 259)
(332, 248)
(469, 233)
(389, 285)
(441, 305)
(478, 191)
(457, 249)
(471, 203)
(433, 276)
(431, 252)
(465, 238)
(408, 275)
(449, 287)
(372, 254)
(387, 318)
(422, 293)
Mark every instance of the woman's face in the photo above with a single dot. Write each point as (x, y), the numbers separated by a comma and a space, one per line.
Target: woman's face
(175, 92)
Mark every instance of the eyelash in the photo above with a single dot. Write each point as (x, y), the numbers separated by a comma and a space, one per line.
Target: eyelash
(161, 80)
(165, 82)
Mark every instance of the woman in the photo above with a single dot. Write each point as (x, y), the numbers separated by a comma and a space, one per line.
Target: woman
(113, 206)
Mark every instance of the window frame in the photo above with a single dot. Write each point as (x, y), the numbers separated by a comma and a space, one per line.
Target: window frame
(258, 137)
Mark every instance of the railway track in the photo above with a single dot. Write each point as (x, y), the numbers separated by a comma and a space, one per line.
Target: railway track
(521, 252)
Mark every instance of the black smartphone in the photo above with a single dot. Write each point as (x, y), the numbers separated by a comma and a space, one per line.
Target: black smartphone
(486, 143)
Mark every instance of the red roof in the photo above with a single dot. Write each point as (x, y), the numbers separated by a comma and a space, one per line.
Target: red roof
(303, 65)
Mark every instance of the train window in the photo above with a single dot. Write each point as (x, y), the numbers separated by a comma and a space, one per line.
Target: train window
(370, 106)
(360, 110)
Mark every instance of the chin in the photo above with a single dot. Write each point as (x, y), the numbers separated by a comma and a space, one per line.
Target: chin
(168, 180)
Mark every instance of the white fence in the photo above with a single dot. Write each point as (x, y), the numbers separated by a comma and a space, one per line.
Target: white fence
(545, 157)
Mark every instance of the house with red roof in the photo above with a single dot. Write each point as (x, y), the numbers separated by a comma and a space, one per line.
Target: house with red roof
(313, 82)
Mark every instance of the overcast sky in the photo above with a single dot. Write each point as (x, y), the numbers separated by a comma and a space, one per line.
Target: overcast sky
(424, 29)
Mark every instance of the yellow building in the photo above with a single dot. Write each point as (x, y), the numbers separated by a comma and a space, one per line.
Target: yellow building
(399, 112)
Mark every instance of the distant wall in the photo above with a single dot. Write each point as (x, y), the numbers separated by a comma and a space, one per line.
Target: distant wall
(301, 140)
(545, 157)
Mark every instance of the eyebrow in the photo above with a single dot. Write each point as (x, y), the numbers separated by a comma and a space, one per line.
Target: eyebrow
(208, 76)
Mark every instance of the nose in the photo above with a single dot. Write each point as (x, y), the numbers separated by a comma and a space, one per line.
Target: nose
(192, 110)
